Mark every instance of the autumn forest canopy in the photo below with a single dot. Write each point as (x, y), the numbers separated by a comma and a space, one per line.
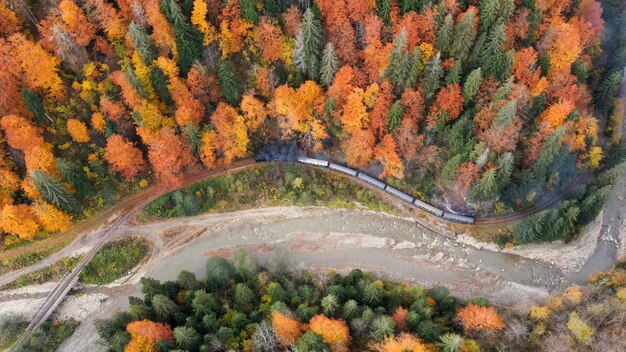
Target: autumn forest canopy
(480, 104)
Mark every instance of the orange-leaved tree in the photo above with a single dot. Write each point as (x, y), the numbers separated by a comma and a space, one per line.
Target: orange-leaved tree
(51, 218)
(19, 220)
(144, 335)
(334, 332)
(403, 343)
(476, 318)
(386, 153)
(169, 156)
(78, 130)
(286, 328)
(123, 156)
(447, 106)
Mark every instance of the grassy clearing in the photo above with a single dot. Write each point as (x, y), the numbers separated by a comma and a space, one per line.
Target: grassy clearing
(264, 186)
(114, 260)
(25, 259)
(53, 272)
(10, 331)
(49, 336)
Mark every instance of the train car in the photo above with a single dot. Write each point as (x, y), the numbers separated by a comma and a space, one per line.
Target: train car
(427, 207)
(458, 218)
(372, 181)
(399, 194)
(311, 161)
(340, 168)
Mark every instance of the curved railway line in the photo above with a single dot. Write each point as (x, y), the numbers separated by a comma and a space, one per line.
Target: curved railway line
(56, 296)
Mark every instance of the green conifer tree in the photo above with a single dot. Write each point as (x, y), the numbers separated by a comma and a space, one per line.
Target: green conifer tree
(454, 73)
(329, 65)
(229, 82)
(398, 64)
(464, 36)
(186, 337)
(486, 188)
(160, 84)
(488, 13)
(415, 68)
(449, 170)
(472, 84)
(492, 58)
(432, 76)
(188, 39)
(309, 45)
(34, 104)
(506, 115)
(549, 151)
(144, 44)
(248, 9)
(444, 34)
(395, 115)
(54, 192)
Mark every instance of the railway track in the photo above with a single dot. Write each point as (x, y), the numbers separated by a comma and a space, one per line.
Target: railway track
(547, 204)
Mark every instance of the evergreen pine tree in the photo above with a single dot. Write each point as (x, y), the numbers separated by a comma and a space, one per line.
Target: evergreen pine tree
(549, 151)
(383, 8)
(203, 303)
(382, 327)
(451, 342)
(464, 36)
(398, 64)
(449, 170)
(454, 73)
(137, 84)
(479, 46)
(186, 337)
(53, 191)
(505, 115)
(415, 68)
(472, 84)
(73, 174)
(163, 306)
(395, 115)
(329, 304)
(244, 297)
(444, 34)
(310, 341)
(538, 105)
(188, 39)
(33, 103)
(432, 76)
(329, 65)
(308, 45)
(530, 229)
(487, 186)
(160, 83)
(488, 13)
(144, 44)
(194, 137)
(608, 89)
(592, 204)
(248, 10)
(492, 58)
(504, 163)
(504, 90)
(229, 82)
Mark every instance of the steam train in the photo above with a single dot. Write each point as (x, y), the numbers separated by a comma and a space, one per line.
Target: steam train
(385, 187)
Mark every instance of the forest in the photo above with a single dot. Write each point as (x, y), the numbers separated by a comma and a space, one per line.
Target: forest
(242, 306)
(483, 106)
